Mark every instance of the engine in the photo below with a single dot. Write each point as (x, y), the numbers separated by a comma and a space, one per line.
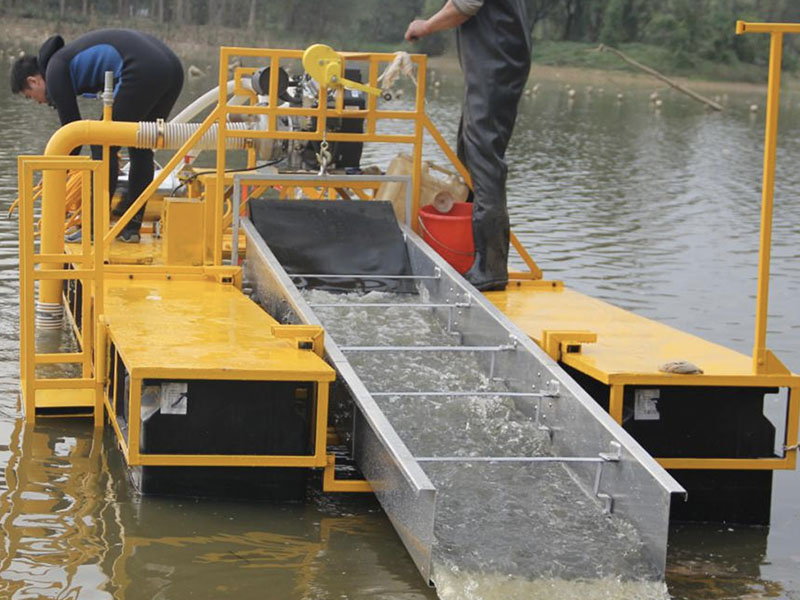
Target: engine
(303, 91)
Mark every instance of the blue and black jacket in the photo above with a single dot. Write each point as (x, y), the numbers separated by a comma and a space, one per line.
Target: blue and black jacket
(143, 67)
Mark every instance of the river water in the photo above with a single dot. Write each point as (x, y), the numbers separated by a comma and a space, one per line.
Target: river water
(654, 210)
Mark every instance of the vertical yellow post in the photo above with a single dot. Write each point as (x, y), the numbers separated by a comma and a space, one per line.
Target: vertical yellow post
(419, 130)
(321, 441)
(616, 395)
(222, 118)
(101, 211)
(767, 192)
(87, 322)
(372, 100)
(27, 333)
(134, 419)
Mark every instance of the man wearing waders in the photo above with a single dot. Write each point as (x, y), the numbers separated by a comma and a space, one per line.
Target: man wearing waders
(148, 78)
(494, 48)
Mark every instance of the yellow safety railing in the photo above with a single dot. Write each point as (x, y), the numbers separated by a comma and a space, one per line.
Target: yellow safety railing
(764, 361)
(62, 393)
(372, 116)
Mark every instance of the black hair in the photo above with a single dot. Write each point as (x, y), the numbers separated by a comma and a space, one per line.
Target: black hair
(24, 67)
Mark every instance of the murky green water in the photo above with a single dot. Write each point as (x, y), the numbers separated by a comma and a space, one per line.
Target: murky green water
(656, 212)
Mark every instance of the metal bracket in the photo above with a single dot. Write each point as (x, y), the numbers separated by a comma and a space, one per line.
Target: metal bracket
(555, 342)
(614, 455)
(331, 484)
(608, 502)
(554, 391)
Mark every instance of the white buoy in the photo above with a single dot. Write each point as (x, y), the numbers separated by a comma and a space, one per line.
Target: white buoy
(620, 96)
(535, 88)
(653, 96)
(571, 93)
(659, 103)
(195, 72)
(753, 108)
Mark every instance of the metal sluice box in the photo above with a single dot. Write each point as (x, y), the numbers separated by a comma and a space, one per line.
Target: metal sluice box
(604, 464)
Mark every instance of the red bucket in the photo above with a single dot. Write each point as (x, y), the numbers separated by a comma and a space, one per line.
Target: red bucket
(450, 234)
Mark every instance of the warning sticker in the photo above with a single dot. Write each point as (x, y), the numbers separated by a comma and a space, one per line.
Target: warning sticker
(646, 405)
(174, 398)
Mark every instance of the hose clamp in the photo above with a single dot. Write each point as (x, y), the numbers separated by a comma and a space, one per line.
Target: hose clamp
(160, 133)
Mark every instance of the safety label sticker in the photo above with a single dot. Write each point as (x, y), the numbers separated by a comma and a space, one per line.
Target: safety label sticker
(645, 406)
(174, 398)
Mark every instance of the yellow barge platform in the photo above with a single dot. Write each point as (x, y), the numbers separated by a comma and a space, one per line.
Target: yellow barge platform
(217, 375)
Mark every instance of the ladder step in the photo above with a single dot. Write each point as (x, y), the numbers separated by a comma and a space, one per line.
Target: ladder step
(64, 398)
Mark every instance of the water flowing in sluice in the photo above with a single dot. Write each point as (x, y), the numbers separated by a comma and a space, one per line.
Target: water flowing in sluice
(513, 526)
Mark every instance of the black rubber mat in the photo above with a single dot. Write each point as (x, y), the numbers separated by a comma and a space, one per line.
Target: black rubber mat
(336, 238)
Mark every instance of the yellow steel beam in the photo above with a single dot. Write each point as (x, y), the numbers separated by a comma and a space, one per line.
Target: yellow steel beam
(747, 27)
(63, 383)
(226, 460)
(58, 358)
(738, 464)
(331, 484)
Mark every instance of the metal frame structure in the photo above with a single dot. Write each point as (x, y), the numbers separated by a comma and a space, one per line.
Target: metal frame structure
(62, 392)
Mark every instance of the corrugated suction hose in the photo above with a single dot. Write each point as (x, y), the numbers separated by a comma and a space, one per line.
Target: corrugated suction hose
(172, 136)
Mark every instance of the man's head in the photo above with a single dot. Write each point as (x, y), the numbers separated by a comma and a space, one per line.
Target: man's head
(26, 79)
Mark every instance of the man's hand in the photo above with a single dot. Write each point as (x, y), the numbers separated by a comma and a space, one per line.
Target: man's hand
(416, 29)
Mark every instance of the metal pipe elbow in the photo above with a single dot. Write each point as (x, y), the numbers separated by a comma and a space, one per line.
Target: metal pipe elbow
(77, 133)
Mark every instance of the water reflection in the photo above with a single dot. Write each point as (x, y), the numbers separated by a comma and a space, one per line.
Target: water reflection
(72, 528)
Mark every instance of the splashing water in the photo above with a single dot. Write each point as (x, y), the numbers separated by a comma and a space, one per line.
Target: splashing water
(503, 530)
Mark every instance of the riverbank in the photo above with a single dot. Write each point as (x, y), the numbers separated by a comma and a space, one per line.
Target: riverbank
(570, 62)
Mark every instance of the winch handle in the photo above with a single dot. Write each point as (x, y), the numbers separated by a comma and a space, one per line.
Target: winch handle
(326, 65)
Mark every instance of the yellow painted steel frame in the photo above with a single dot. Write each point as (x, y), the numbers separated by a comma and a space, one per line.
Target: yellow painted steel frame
(565, 346)
(764, 361)
(64, 392)
(130, 443)
(372, 115)
(787, 462)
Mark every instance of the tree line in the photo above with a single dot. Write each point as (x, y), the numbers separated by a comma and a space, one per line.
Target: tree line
(688, 28)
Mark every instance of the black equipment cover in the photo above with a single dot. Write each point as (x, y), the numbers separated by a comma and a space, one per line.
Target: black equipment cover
(337, 238)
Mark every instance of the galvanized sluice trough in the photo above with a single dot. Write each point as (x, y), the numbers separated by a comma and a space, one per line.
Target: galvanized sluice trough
(615, 479)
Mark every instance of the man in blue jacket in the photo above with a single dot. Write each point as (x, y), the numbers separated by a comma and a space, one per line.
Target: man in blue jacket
(148, 78)
(494, 47)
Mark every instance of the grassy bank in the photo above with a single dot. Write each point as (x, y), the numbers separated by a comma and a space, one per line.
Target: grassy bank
(199, 44)
(582, 55)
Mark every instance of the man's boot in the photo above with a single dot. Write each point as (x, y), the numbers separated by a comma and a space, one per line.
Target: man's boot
(489, 271)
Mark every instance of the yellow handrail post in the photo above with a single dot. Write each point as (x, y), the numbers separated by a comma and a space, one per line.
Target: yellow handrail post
(776, 31)
(222, 118)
